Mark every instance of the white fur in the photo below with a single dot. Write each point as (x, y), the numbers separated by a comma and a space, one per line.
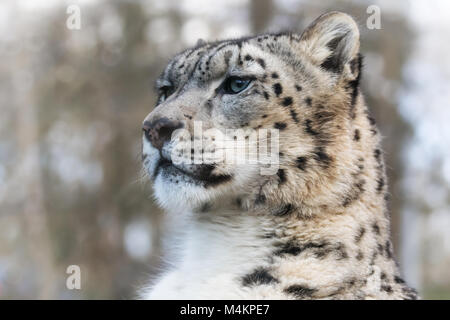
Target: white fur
(216, 251)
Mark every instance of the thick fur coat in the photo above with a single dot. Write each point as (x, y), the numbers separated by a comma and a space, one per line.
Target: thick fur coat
(318, 227)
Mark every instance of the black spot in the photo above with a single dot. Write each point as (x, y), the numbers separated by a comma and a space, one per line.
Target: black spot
(398, 279)
(308, 101)
(355, 192)
(258, 277)
(261, 62)
(266, 95)
(287, 101)
(298, 88)
(380, 184)
(386, 288)
(275, 75)
(322, 157)
(360, 255)
(322, 251)
(301, 163)
(351, 282)
(360, 234)
(280, 125)
(264, 116)
(380, 248)
(284, 210)
(357, 135)
(248, 57)
(278, 89)
(319, 249)
(309, 129)
(282, 175)
(294, 115)
(388, 249)
(374, 257)
(300, 291)
(289, 248)
(377, 154)
(376, 228)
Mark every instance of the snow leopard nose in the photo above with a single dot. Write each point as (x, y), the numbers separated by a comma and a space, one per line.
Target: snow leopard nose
(160, 130)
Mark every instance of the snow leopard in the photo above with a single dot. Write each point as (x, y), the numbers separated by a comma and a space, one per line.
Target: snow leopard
(315, 227)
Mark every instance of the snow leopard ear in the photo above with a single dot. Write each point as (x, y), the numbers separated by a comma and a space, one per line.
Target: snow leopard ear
(331, 41)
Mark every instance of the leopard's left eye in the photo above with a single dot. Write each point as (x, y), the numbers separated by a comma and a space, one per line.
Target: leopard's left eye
(235, 85)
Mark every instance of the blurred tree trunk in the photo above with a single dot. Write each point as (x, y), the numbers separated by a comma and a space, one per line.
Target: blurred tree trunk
(34, 212)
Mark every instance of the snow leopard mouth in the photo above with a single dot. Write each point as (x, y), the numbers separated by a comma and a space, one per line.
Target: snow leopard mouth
(199, 174)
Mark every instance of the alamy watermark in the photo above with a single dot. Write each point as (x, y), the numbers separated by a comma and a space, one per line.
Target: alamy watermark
(73, 281)
(73, 21)
(374, 20)
(230, 146)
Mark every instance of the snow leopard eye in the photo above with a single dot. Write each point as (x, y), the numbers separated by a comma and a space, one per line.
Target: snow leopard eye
(233, 85)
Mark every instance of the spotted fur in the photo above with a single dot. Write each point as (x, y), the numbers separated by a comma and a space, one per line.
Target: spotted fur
(316, 228)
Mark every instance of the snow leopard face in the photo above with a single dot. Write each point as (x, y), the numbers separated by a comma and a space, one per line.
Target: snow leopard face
(283, 105)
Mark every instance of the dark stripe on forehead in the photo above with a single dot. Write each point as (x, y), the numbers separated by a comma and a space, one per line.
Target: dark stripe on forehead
(210, 46)
(216, 50)
(182, 59)
(209, 52)
(197, 65)
(216, 46)
(190, 75)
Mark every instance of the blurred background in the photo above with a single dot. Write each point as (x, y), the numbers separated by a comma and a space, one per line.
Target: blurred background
(72, 103)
